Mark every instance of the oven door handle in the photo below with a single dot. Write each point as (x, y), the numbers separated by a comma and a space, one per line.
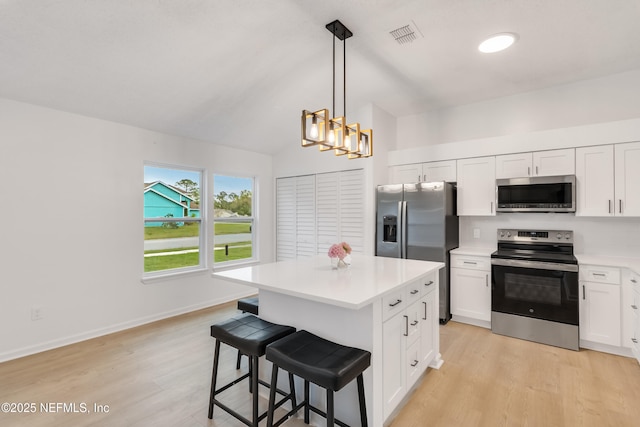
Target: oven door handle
(539, 265)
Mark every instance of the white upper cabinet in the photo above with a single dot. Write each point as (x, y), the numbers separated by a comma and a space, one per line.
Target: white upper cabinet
(514, 165)
(627, 179)
(538, 163)
(594, 181)
(608, 180)
(439, 171)
(477, 186)
(405, 174)
(423, 172)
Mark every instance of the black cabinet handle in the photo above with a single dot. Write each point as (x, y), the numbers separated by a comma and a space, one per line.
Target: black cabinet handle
(415, 291)
(393, 304)
(415, 362)
(425, 311)
(414, 323)
(584, 293)
(431, 283)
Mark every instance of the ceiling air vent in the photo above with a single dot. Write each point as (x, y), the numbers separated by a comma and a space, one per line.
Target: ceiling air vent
(406, 34)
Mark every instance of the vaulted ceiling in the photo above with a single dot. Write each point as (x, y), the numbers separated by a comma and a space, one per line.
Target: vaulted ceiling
(239, 72)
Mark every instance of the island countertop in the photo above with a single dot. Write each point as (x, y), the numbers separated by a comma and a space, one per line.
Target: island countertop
(366, 279)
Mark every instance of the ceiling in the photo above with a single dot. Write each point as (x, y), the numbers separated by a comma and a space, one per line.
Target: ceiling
(239, 72)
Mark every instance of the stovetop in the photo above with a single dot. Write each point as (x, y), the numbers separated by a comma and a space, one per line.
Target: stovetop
(535, 245)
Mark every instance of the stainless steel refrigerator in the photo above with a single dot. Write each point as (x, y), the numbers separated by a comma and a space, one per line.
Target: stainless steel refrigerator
(418, 221)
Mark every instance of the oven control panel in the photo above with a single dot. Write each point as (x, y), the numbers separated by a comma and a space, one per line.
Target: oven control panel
(510, 235)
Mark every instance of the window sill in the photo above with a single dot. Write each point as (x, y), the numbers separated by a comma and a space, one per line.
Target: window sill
(147, 280)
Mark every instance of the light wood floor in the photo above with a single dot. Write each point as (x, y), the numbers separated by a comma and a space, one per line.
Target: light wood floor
(159, 375)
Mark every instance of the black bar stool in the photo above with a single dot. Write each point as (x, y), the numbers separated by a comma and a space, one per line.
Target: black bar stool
(250, 335)
(247, 305)
(322, 362)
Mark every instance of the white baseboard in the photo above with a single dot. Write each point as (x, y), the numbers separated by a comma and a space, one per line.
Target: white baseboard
(72, 339)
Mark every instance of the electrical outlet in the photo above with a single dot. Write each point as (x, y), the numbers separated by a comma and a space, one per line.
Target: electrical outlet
(476, 233)
(36, 313)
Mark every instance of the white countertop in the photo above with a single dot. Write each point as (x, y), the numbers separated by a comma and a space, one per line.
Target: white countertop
(367, 278)
(473, 251)
(626, 262)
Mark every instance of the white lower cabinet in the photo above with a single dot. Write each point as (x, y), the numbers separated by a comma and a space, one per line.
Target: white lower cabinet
(471, 288)
(631, 312)
(409, 334)
(600, 319)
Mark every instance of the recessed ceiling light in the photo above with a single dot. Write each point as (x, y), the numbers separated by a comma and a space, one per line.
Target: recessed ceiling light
(497, 42)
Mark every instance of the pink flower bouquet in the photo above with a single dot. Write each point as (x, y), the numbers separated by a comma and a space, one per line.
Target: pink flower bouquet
(339, 250)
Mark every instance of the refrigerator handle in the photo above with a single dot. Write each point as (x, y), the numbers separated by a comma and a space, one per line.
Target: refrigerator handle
(403, 229)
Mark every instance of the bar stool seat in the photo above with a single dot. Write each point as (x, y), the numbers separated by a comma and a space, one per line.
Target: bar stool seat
(250, 335)
(249, 305)
(322, 362)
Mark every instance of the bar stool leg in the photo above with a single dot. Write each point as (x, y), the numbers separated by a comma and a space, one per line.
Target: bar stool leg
(363, 406)
(272, 395)
(238, 360)
(213, 378)
(254, 382)
(330, 414)
(306, 402)
(292, 390)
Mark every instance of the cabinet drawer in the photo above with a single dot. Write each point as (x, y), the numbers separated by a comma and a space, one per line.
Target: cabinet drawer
(471, 262)
(600, 274)
(428, 284)
(393, 303)
(413, 291)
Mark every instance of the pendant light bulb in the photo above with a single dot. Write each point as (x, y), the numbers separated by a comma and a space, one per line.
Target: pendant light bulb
(332, 135)
(314, 127)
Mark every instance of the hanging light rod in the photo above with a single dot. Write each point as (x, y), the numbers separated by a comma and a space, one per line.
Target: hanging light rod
(323, 128)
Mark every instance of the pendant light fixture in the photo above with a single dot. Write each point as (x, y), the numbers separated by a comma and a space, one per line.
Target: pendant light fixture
(323, 128)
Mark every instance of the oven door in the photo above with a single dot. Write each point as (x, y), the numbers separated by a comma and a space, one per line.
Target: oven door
(540, 290)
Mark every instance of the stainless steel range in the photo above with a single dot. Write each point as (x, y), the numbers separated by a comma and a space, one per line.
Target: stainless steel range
(534, 287)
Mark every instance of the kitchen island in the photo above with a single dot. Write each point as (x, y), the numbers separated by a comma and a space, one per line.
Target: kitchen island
(387, 306)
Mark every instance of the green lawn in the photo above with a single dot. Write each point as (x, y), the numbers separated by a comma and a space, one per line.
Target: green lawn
(191, 230)
(167, 262)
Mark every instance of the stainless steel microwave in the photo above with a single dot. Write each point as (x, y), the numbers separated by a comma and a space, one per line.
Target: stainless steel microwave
(537, 194)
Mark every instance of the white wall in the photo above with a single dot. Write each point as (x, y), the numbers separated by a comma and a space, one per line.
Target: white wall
(71, 218)
(599, 100)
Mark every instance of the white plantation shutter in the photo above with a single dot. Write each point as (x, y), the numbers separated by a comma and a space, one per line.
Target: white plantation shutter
(306, 216)
(327, 210)
(285, 218)
(352, 210)
(315, 211)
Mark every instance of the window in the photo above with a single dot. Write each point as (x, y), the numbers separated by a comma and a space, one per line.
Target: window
(234, 223)
(172, 220)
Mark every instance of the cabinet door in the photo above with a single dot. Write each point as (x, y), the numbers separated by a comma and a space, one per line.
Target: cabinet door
(627, 179)
(477, 186)
(635, 339)
(471, 294)
(554, 162)
(428, 328)
(600, 313)
(414, 364)
(630, 307)
(594, 181)
(514, 165)
(405, 174)
(394, 362)
(439, 171)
